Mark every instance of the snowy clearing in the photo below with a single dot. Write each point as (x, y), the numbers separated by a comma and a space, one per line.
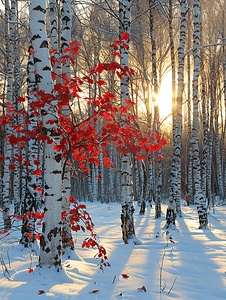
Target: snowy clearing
(195, 258)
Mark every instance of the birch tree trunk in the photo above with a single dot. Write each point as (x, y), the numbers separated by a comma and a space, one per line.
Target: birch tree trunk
(170, 213)
(218, 153)
(190, 161)
(8, 149)
(210, 140)
(31, 199)
(156, 125)
(67, 242)
(128, 231)
(199, 198)
(50, 241)
(175, 176)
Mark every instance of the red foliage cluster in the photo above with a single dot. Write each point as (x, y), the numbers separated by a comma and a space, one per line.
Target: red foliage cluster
(80, 137)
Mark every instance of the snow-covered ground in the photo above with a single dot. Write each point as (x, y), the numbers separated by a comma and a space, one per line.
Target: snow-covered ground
(195, 258)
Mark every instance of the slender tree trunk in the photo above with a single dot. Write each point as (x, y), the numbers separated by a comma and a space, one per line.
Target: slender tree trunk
(8, 149)
(199, 198)
(175, 176)
(67, 242)
(31, 199)
(50, 241)
(128, 231)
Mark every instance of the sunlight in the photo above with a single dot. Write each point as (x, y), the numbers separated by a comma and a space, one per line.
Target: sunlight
(164, 97)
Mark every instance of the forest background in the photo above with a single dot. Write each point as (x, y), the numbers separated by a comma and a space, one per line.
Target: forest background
(172, 80)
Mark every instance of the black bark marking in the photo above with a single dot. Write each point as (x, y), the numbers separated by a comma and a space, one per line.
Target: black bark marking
(46, 68)
(36, 36)
(39, 8)
(56, 172)
(58, 157)
(38, 78)
(53, 233)
(36, 60)
(41, 21)
(44, 44)
(47, 250)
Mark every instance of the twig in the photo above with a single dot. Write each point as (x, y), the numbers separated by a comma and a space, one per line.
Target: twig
(161, 268)
(172, 285)
(114, 280)
(8, 256)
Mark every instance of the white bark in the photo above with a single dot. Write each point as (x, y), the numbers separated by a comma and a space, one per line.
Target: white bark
(199, 198)
(66, 182)
(50, 241)
(128, 231)
(7, 189)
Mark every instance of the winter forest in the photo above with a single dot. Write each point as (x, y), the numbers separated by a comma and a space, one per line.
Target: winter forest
(112, 149)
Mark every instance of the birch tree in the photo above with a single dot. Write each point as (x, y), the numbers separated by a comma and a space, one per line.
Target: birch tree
(50, 241)
(175, 176)
(128, 231)
(8, 149)
(66, 184)
(199, 198)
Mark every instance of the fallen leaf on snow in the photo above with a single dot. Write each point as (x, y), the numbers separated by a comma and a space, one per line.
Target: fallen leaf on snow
(125, 276)
(40, 292)
(93, 292)
(143, 288)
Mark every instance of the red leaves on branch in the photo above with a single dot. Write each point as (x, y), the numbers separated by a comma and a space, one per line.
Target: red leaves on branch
(37, 172)
(118, 128)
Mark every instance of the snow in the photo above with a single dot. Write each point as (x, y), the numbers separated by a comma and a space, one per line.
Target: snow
(195, 258)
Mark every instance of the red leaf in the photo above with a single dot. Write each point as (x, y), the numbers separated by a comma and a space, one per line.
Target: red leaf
(54, 50)
(142, 288)
(125, 45)
(125, 35)
(38, 189)
(66, 50)
(31, 51)
(163, 142)
(172, 241)
(30, 270)
(11, 167)
(98, 176)
(68, 265)
(37, 172)
(40, 292)
(116, 53)
(36, 162)
(72, 43)
(125, 276)
(26, 163)
(21, 99)
(100, 82)
(93, 292)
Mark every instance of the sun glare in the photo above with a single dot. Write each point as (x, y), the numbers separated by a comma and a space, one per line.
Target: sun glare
(164, 98)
